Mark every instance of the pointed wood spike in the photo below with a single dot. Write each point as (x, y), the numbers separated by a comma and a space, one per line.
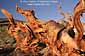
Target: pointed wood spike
(8, 15)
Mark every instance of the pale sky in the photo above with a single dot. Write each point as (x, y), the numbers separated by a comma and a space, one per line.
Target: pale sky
(44, 12)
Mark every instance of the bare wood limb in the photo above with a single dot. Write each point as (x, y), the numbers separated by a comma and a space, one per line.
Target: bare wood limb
(67, 16)
(78, 10)
(9, 16)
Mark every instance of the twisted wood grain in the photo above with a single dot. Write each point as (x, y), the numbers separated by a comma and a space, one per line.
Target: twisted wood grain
(78, 10)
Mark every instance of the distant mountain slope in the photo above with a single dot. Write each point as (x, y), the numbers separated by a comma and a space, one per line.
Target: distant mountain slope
(5, 22)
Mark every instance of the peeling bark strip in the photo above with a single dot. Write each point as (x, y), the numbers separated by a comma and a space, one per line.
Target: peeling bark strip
(78, 10)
